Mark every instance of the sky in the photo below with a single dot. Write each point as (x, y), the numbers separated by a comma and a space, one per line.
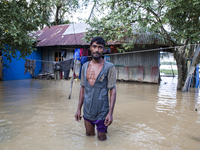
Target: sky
(83, 13)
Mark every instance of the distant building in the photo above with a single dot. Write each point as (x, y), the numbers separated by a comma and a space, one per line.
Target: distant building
(139, 64)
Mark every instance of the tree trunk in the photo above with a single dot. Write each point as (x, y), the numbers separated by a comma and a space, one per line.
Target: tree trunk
(181, 61)
(184, 69)
(57, 22)
(180, 75)
(181, 66)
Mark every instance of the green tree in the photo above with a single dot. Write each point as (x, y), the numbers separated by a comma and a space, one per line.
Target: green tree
(18, 19)
(184, 20)
(176, 22)
(61, 8)
(46, 10)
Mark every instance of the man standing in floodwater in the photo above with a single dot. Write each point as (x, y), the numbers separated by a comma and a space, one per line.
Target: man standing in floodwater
(97, 78)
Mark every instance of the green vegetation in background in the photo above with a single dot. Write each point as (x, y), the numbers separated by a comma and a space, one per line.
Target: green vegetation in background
(157, 17)
(168, 72)
(19, 19)
(167, 63)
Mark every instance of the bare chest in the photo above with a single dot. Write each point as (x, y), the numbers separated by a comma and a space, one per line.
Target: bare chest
(93, 72)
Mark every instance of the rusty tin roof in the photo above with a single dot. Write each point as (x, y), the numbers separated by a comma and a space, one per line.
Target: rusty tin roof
(54, 36)
(61, 35)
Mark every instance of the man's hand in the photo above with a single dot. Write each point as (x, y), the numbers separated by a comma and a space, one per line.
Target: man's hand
(80, 103)
(78, 115)
(108, 120)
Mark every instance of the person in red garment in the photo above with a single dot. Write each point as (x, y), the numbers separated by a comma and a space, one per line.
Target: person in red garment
(97, 78)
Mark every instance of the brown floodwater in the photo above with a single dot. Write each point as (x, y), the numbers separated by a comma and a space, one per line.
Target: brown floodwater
(37, 115)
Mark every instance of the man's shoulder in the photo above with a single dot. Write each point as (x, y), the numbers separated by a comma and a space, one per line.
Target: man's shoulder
(85, 64)
(109, 64)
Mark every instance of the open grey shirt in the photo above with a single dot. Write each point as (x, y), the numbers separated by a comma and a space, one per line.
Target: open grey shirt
(96, 101)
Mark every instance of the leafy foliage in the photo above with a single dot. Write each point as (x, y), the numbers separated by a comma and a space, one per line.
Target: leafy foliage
(173, 20)
(177, 22)
(18, 19)
(184, 19)
(62, 8)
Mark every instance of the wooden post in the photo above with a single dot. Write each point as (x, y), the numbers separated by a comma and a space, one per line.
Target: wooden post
(1, 68)
(172, 70)
(70, 92)
(191, 70)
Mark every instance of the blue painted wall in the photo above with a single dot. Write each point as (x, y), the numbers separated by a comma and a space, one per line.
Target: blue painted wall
(16, 67)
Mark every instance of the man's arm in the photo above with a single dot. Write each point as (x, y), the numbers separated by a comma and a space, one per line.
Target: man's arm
(80, 104)
(109, 117)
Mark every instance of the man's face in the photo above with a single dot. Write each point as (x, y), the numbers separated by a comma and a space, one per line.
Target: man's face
(96, 50)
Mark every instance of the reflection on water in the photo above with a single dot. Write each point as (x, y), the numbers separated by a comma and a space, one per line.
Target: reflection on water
(167, 96)
(37, 114)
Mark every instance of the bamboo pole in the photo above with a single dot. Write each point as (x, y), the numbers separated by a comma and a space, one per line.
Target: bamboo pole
(70, 92)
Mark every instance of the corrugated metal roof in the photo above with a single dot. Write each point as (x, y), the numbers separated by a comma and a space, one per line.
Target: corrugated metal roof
(60, 35)
(53, 36)
(76, 28)
(140, 39)
(149, 39)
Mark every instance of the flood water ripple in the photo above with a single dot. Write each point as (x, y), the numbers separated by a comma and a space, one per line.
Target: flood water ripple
(37, 114)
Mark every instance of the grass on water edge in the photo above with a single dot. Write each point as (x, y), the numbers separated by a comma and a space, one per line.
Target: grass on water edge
(168, 72)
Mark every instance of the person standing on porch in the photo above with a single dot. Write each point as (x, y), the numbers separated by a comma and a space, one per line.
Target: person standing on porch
(97, 78)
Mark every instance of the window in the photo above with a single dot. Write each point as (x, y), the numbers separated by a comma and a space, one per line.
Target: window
(58, 57)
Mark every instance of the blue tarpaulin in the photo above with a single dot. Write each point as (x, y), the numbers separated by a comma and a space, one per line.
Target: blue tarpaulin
(15, 69)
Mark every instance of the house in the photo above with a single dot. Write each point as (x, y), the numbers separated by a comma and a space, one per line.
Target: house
(139, 64)
(51, 44)
(142, 62)
(58, 43)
